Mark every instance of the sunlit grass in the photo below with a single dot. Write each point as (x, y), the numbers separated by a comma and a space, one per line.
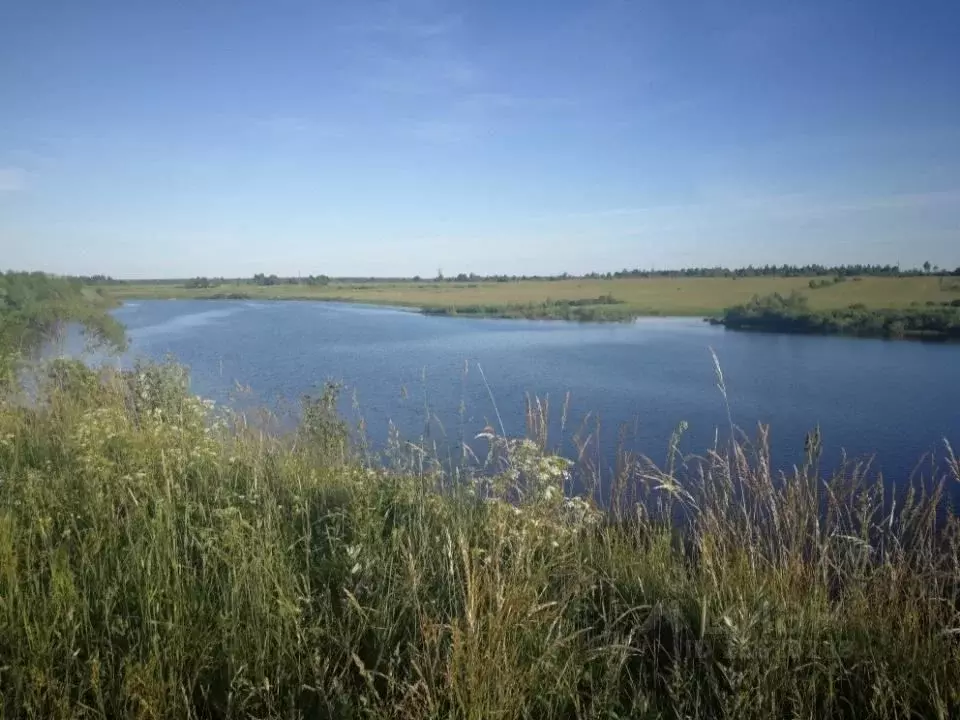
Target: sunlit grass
(159, 558)
(634, 297)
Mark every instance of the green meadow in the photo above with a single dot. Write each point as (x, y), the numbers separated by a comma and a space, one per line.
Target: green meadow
(593, 299)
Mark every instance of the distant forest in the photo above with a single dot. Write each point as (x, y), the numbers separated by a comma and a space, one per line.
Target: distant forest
(836, 271)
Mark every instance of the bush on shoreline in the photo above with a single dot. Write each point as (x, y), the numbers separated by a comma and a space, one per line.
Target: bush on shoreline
(159, 558)
(34, 306)
(792, 314)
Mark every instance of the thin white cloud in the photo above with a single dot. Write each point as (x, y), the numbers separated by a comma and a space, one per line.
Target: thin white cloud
(424, 68)
(794, 204)
(904, 200)
(769, 27)
(502, 101)
(408, 47)
(472, 116)
(441, 131)
(394, 22)
(290, 126)
(414, 57)
(12, 179)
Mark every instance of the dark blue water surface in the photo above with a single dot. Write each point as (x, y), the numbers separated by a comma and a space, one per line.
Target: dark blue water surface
(896, 401)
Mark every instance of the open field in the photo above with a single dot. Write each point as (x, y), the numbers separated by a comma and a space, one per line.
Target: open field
(612, 299)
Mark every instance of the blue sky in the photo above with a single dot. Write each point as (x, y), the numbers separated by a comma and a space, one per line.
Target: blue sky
(223, 137)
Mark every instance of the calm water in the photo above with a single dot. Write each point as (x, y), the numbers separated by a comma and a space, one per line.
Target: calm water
(894, 400)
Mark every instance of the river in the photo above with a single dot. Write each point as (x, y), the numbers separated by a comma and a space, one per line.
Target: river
(889, 400)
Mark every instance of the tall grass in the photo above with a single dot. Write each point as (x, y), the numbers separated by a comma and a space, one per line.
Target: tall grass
(159, 558)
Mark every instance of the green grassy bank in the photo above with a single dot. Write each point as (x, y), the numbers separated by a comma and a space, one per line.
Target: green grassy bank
(577, 298)
(793, 314)
(159, 558)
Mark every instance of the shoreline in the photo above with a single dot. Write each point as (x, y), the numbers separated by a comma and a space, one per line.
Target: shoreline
(862, 307)
(792, 315)
(931, 338)
(506, 312)
(509, 312)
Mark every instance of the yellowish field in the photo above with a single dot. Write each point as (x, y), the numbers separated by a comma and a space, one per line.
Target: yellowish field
(641, 296)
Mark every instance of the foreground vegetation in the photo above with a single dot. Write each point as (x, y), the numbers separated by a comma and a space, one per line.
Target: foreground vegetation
(793, 314)
(160, 558)
(577, 298)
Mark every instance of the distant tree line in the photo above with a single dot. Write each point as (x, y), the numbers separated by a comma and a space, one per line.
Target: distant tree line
(202, 282)
(832, 273)
(267, 280)
(838, 272)
(316, 280)
(814, 270)
(98, 280)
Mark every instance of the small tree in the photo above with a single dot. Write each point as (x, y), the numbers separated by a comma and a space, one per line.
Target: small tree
(926, 266)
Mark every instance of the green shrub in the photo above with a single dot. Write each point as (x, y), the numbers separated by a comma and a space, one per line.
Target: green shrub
(35, 306)
(774, 313)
